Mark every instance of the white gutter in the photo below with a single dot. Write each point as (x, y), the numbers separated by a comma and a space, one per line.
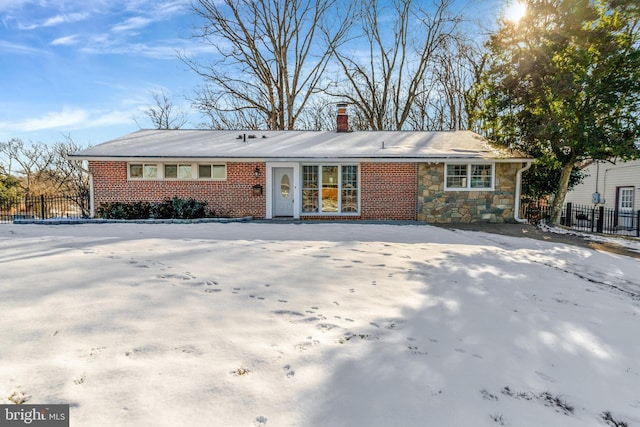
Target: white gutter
(92, 205)
(516, 208)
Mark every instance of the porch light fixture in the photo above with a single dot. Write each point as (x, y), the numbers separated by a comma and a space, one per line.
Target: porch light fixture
(256, 172)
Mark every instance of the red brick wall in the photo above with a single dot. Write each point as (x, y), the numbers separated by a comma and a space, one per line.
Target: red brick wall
(389, 191)
(233, 196)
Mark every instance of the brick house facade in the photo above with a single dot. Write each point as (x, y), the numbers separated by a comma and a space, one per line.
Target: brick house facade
(432, 177)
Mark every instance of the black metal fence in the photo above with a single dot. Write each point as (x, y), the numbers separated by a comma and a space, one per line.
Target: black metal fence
(592, 219)
(43, 207)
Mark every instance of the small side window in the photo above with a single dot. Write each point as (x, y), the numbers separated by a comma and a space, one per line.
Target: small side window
(217, 172)
(143, 171)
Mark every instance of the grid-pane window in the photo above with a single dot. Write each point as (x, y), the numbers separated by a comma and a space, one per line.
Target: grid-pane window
(329, 188)
(457, 176)
(481, 176)
(469, 176)
(349, 188)
(310, 189)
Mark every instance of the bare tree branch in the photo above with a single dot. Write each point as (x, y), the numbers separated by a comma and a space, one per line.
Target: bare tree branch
(385, 85)
(163, 114)
(271, 56)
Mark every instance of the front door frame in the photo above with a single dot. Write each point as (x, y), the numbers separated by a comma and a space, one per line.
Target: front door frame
(295, 187)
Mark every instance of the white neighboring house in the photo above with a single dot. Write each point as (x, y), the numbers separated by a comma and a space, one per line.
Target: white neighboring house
(614, 186)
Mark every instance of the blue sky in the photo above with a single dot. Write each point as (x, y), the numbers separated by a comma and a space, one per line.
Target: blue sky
(86, 68)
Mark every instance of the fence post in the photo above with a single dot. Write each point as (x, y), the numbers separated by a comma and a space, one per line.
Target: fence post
(600, 219)
(42, 216)
(638, 224)
(567, 216)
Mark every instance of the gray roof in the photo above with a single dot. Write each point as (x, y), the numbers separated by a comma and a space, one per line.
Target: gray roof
(296, 145)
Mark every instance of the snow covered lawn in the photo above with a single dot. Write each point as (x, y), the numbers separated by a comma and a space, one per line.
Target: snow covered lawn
(251, 324)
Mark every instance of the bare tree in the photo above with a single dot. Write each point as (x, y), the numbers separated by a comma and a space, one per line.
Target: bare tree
(271, 56)
(385, 82)
(319, 114)
(31, 164)
(43, 170)
(70, 177)
(163, 114)
(451, 93)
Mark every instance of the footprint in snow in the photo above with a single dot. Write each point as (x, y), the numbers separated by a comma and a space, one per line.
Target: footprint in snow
(260, 421)
(288, 371)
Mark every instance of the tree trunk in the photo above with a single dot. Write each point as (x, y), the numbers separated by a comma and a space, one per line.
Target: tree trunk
(561, 193)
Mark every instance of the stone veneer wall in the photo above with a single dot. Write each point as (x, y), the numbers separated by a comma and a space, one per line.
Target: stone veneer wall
(437, 206)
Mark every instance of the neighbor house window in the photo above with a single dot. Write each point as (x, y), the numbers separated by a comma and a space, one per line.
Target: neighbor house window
(143, 170)
(177, 171)
(212, 172)
(329, 188)
(469, 176)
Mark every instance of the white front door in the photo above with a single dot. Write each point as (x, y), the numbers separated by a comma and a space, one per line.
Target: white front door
(283, 192)
(625, 207)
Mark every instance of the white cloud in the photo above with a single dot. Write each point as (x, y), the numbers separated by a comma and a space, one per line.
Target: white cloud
(132, 24)
(65, 19)
(52, 120)
(20, 48)
(70, 118)
(65, 41)
(54, 21)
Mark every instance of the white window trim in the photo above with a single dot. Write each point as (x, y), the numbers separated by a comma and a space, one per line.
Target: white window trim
(160, 167)
(468, 177)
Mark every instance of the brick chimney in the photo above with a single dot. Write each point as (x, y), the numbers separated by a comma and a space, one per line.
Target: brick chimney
(342, 119)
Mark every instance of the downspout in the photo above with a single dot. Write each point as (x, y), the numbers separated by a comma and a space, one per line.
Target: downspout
(92, 207)
(516, 209)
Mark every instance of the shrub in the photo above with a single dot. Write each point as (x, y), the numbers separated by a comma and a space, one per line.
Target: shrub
(118, 210)
(179, 208)
(167, 209)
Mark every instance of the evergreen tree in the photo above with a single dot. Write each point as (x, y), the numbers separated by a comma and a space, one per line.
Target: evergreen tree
(564, 83)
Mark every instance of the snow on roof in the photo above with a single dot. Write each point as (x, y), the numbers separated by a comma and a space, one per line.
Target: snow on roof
(297, 145)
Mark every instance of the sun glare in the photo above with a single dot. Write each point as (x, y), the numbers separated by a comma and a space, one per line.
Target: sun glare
(515, 11)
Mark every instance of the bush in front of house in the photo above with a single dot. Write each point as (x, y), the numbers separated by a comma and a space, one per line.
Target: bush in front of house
(179, 208)
(168, 209)
(118, 210)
